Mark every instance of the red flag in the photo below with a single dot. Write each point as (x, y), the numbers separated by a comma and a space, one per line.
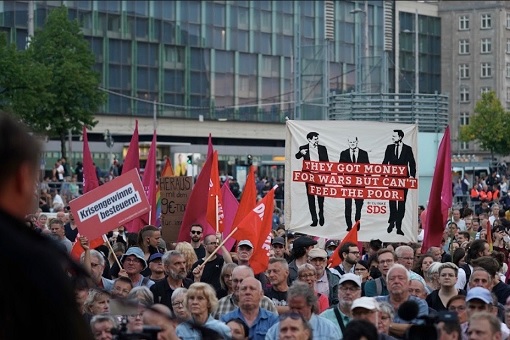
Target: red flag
(352, 236)
(196, 209)
(489, 235)
(256, 227)
(132, 159)
(215, 203)
(167, 171)
(248, 197)
(230, 205)
(90, 181)
(440, 199)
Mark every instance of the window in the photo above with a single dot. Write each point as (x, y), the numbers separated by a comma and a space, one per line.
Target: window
(508, 20)
(464, 118)
(464, 95)
(508, 94)
(463, 46)
(486, 45)
(463, 22)
(464, 71)
(508, 70)
(486, 21)
(485, 90)
(486, 70)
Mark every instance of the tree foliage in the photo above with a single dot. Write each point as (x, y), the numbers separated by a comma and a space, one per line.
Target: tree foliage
(57, 90)
(489, 126)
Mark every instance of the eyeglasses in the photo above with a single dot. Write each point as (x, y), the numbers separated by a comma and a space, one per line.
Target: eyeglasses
(196, 232)
(305, 276)
(350, 289)
(178, 304)
(386, 261)
(292, 315)
(134, 260)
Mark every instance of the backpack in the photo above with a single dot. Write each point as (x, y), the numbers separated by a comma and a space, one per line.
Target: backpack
(467, 270)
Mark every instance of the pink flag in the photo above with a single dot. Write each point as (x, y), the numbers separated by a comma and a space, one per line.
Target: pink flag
(132, 159)
(90, 181)
(230, 205)
(440, 199)
(196, 209)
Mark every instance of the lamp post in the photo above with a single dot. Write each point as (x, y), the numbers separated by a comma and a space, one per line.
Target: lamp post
(362, 43)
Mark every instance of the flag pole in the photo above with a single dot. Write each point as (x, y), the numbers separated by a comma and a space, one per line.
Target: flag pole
(220, 245)
(111, 249)
(216, 215)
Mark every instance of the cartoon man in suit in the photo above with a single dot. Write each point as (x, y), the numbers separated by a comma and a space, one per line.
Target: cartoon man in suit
(314, 152)
(399, 153)
(353, 155)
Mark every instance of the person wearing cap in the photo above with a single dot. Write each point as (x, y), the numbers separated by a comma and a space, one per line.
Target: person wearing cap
(479, 299)
(210, 272)
(448, 326)
(278, 245)
(327, 282)
(367, 308)
(398, 280)
(301, 246)
(330, 247)
(156, 266)
(303, 300)
(348, 291)
(278, 273)
(174, 265)
(133, 262)
(244, 253)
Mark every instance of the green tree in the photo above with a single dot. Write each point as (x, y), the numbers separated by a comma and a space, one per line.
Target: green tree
(23, 81)
(73, 95)
(489, 126)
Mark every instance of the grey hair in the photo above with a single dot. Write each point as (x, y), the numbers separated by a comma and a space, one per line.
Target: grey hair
(402, 249)
(103, 318)
(244, 267)
(142, 295)
(302, 289)
(385, 307)
(94, 253)
(178, 292)
(94, 294)
(401, 267)
(169, 254)
(281, 261)
(305, 267)
(433, 269)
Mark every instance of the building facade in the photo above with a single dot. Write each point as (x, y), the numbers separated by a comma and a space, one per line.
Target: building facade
(475, 59)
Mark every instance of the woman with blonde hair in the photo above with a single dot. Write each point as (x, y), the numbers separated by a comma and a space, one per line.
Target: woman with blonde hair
(226, 280)
(189, 254)
(201, 301)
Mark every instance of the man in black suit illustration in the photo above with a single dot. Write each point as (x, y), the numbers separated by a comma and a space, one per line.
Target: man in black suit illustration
(353, 155)
(314, 152)
(399, 153)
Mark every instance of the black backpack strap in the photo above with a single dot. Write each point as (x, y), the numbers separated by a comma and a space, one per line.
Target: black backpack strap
(339, 319)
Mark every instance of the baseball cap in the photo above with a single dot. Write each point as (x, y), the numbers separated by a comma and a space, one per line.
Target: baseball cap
(278, 240)
(155, 256)
(317, 253)
(479, 293)
(303, 242)
(331, 243)
(365, 302)
(245, 243)
(351, 277)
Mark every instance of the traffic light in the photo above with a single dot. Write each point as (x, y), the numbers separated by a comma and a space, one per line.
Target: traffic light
(190, 159)
(250, 159)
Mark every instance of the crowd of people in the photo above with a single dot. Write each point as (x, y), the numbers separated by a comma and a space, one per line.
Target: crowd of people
(136, 286)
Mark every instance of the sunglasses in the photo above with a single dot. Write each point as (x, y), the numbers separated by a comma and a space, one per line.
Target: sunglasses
(196, 232)
(292, 315)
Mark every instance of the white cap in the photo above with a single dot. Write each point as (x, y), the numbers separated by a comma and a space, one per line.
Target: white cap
(351, 277)
(365, 302)
(245, 243)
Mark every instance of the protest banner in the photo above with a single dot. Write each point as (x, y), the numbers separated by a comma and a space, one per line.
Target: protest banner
(110, 205)
(340, 172)
(175, 192)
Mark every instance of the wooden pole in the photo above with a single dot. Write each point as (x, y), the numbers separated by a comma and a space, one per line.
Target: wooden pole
(220, 245)
(111, 249)
(216, 215)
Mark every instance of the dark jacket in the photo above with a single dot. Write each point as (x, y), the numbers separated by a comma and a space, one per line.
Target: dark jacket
(334, 281)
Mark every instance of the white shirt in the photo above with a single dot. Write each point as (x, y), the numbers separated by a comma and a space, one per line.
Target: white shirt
(314, 153)
(322, 285)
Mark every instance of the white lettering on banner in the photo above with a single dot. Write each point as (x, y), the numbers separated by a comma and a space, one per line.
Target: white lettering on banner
(267, 245)
(259, 210)
(111, 205)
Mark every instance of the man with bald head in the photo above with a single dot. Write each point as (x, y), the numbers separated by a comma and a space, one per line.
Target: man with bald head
(258, 319)
(230, 302)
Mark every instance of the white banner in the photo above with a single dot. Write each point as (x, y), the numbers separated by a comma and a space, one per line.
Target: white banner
(338, 172)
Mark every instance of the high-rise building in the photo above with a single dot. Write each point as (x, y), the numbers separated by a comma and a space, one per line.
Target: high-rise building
(475, 59)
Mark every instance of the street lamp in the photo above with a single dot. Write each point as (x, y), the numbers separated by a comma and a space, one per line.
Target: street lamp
(362, 44)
